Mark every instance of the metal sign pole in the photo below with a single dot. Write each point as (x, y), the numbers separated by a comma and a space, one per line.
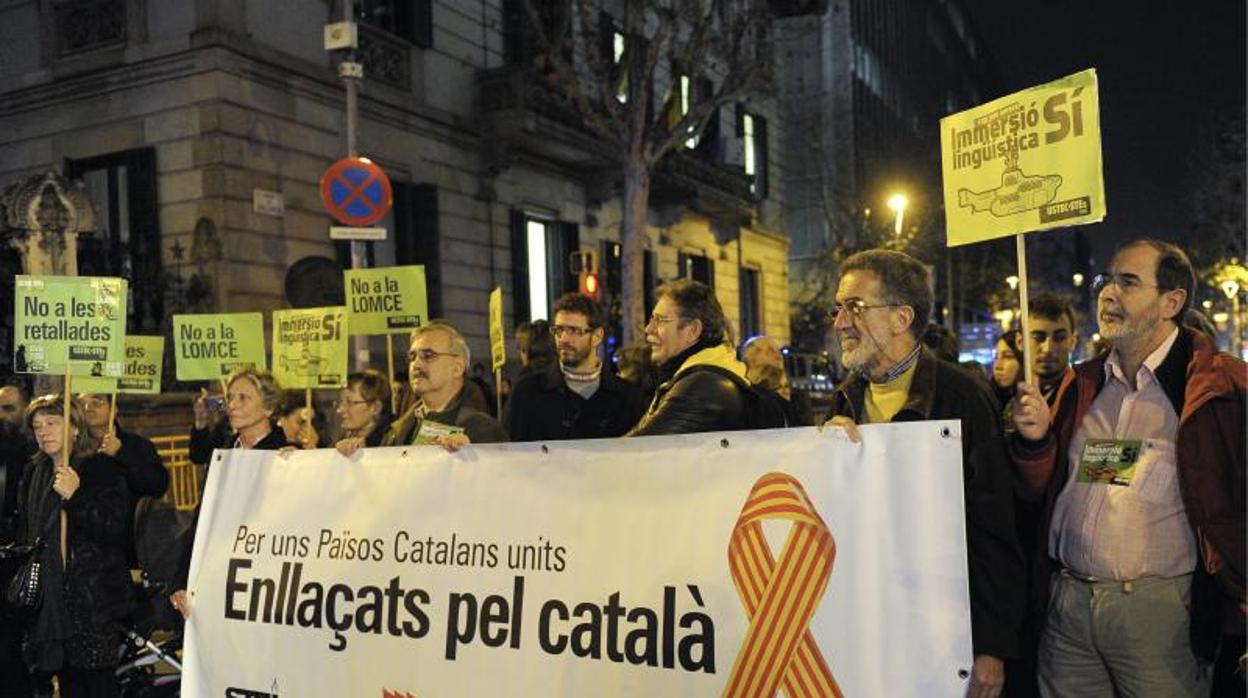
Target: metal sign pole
(351, 73)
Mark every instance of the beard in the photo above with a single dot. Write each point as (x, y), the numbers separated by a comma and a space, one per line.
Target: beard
(857, 354)
(1116, 326)
(570, 356)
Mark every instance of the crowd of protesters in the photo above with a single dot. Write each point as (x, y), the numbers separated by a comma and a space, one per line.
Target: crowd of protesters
(1079, 586)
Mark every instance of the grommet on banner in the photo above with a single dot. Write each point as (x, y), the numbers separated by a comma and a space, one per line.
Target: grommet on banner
(544, 449)
(723, 443)
(963, 674)
(403, 454)
(945, 432)
(219, 457)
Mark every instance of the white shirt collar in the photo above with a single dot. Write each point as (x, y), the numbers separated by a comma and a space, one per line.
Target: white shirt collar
(1113, 364)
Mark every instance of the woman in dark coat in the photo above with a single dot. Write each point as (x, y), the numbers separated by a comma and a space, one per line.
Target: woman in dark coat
(86, 585)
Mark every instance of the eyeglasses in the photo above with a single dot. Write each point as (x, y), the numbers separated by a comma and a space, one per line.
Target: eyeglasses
(427, 355)
(1125, 282)
(657, 319)
(856, 308)
(342, 403)
(578, 332)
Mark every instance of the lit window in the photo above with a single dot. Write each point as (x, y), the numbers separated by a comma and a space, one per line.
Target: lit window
(539, 302)
(752, 130)
(618, 45)
(747, 136)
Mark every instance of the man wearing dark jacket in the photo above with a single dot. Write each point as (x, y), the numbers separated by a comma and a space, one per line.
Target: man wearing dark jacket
(702, 385)
(882, 304)
(438, 366)
(1139, 465)
(576, 399)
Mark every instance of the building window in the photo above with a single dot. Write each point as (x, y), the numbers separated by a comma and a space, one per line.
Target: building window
(540, 249)
(751, 303)
(122, 186)
(417, 238)
(752, 130)
(697, 267)
(411, 20)
(412, 238)
(535, 233)
(521, 43)
(689, 92)
(686, 87)
(87, 25)
(618, 46)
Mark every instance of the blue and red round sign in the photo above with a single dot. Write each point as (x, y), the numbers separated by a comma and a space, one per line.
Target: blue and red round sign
(356, 192)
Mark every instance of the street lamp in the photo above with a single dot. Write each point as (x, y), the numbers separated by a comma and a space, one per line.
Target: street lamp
(1231, 288)
(898, 203)
(1078, 279)
(1012, 280)
(1005, 317)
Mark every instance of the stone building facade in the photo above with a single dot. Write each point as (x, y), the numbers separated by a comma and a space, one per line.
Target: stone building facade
(201, 129)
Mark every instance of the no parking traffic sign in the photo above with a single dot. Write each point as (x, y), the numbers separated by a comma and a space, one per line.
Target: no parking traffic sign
(356, 192)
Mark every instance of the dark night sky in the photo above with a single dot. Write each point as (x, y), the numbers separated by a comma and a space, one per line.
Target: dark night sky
(1163, 67)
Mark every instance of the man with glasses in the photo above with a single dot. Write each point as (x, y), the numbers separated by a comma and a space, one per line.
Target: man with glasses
(437, 367)
(702, 385)
(882, 305)
(575, 399)
(1139, 466)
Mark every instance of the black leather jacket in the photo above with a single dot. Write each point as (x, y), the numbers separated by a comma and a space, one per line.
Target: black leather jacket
(698, 398)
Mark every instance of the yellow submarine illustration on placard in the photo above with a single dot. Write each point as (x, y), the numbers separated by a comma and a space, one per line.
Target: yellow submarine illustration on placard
(1018, 192)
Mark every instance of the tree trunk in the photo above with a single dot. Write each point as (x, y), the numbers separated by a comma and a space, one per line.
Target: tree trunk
(633, 250)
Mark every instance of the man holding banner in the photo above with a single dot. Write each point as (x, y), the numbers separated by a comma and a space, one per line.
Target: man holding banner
(882, 304)
(577, 398)
(438, 364)
(1140, 466)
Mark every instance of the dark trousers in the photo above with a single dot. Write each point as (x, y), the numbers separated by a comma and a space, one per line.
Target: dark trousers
(1228, 682)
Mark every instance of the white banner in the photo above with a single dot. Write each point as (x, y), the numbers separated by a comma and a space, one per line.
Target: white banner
(703, 565)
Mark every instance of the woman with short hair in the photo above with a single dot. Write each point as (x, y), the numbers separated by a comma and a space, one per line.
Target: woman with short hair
(364, 411)
(252, 400)
(85, 581)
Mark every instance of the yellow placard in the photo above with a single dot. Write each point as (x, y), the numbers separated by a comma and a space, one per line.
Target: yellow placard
(498, 340)
(1025, 162)
(310, 347)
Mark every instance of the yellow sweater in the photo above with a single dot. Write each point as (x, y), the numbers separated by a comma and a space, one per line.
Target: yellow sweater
(885, 400)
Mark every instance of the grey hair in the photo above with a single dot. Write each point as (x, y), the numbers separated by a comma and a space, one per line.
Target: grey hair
(459, 345)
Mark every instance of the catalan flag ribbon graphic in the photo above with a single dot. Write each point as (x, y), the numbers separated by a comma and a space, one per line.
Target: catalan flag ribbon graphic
(778, 652)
